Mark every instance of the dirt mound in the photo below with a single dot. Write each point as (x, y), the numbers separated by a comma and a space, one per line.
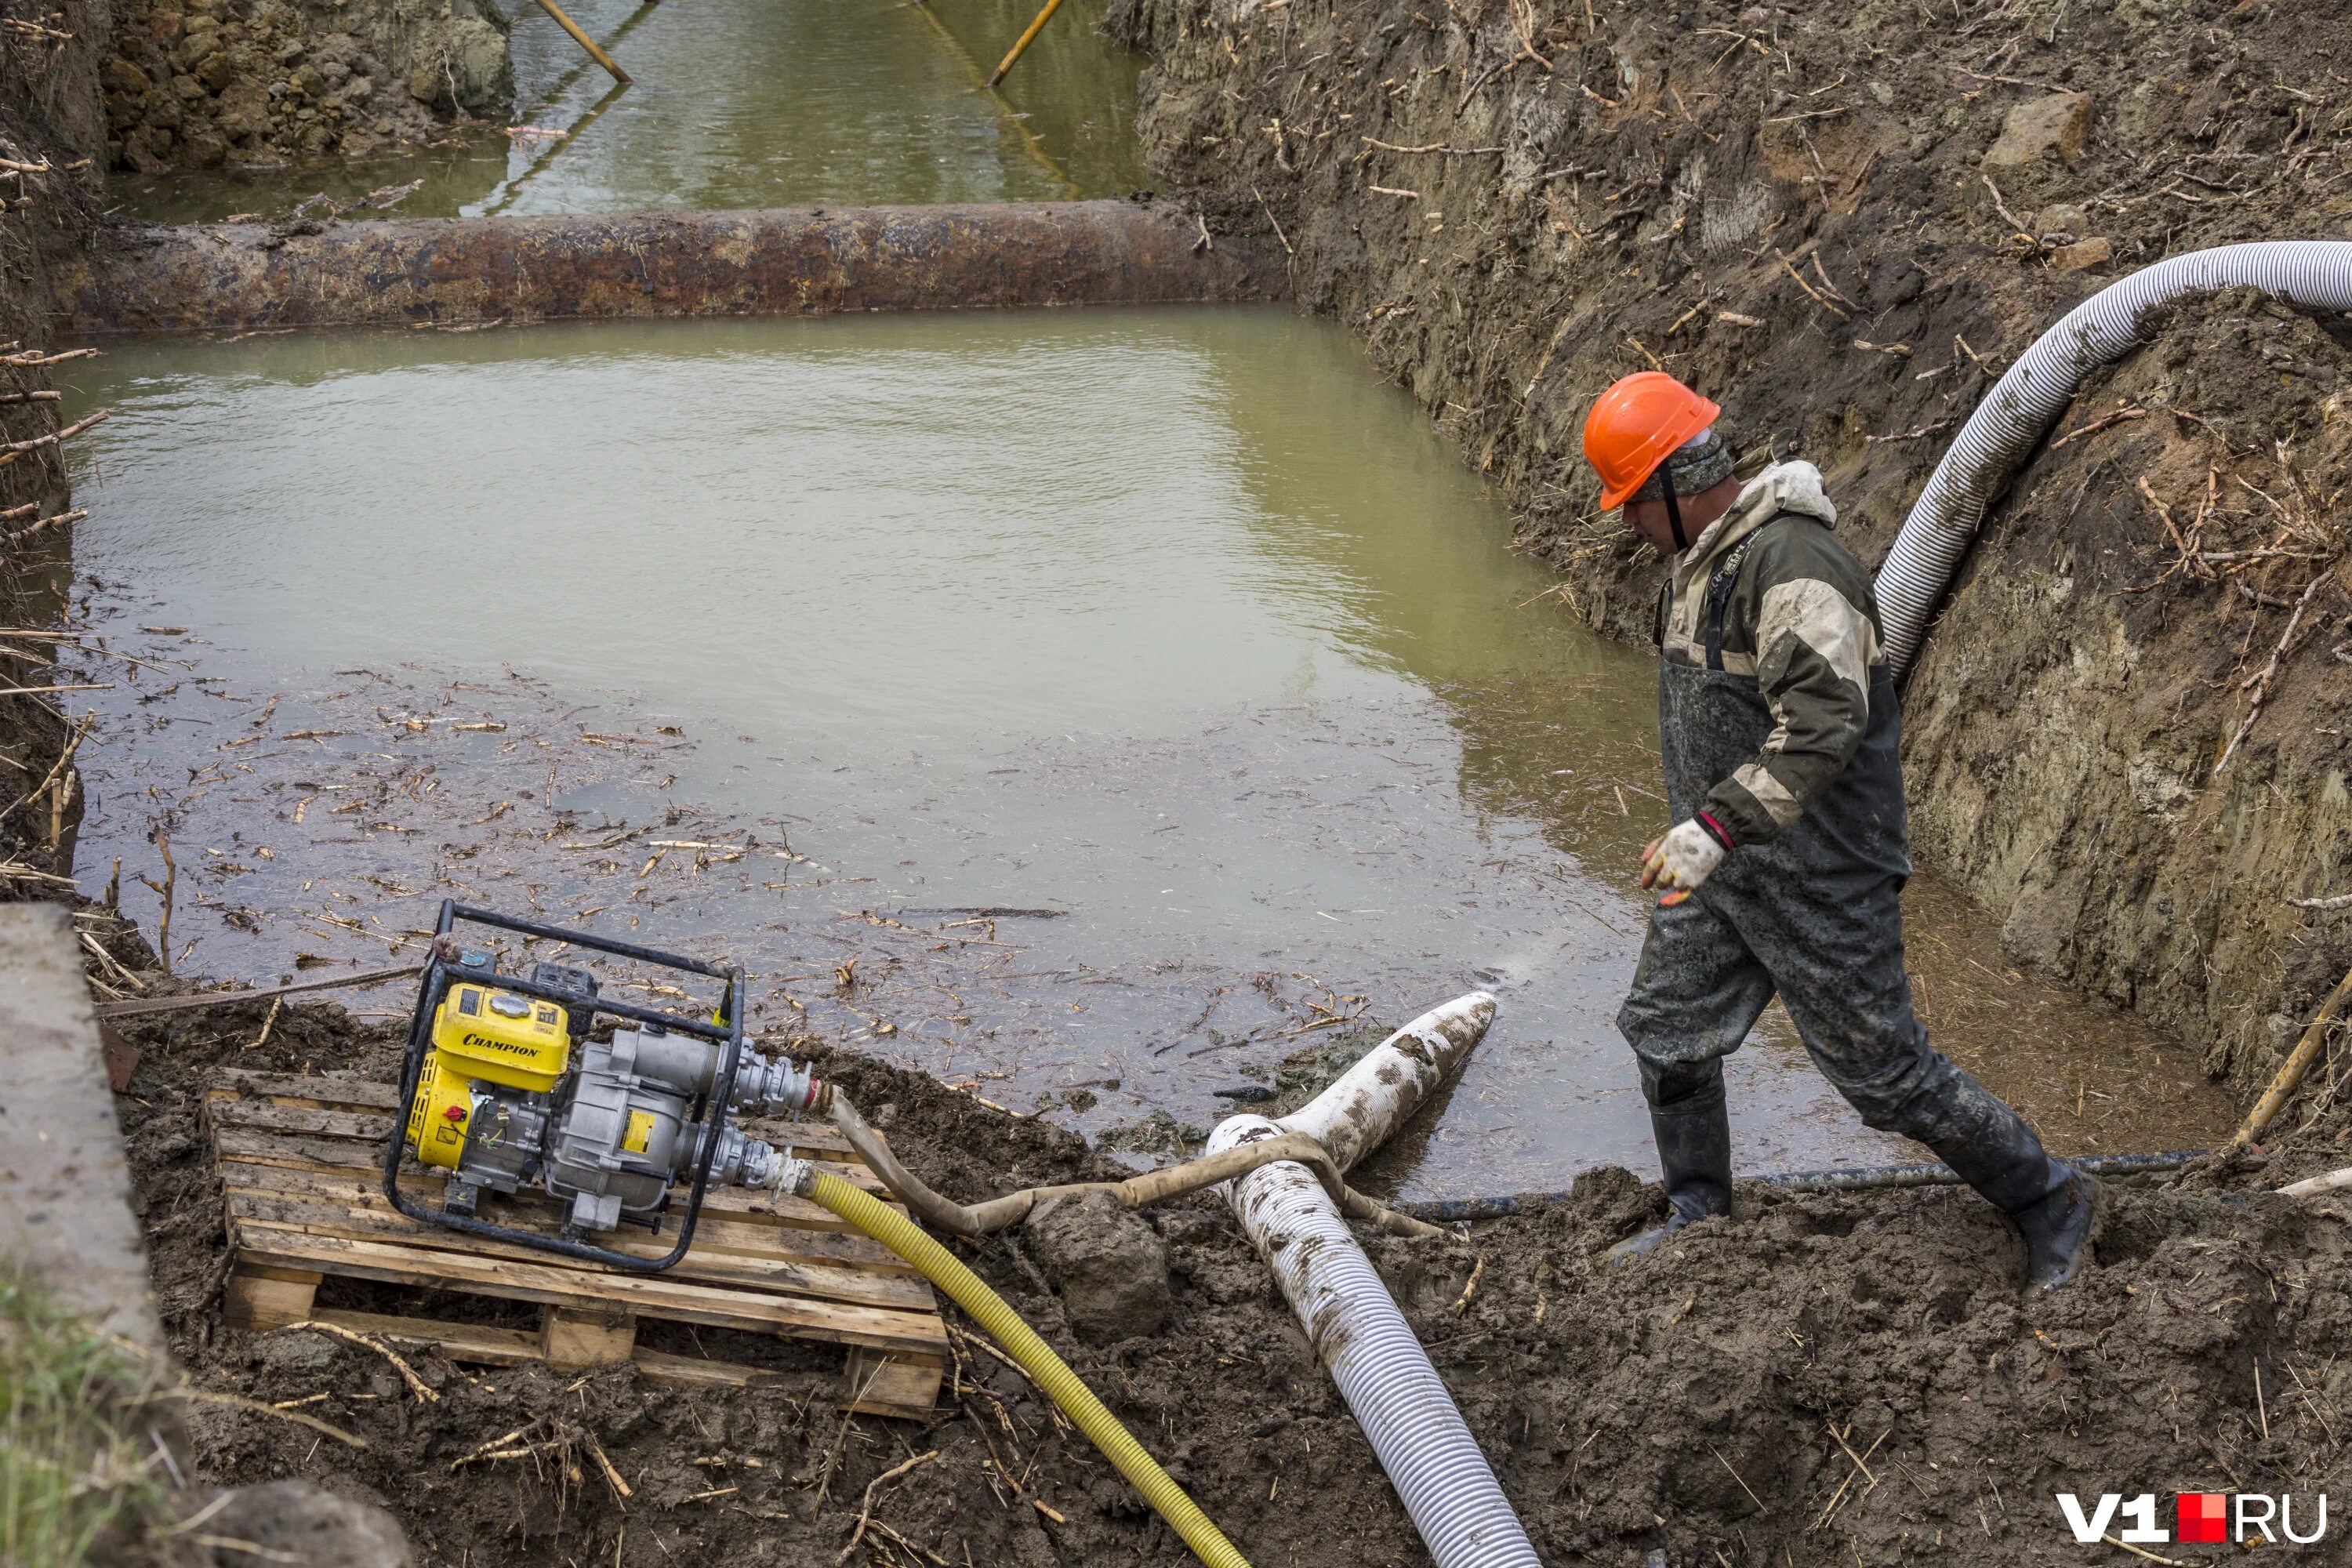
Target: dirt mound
(1829, 1376)
(1839, 1377)
(1845, 221)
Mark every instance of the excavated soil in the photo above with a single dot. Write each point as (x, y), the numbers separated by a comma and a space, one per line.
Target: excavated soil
(1829, 1379)
(1843, 221)
(200, 83)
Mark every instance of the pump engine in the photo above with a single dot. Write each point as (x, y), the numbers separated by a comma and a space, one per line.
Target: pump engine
(508, 1089)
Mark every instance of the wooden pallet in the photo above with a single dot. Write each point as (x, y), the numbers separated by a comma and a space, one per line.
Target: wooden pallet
(302, 1170)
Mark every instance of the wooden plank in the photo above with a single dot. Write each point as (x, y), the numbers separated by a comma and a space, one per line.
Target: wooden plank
(370, 1094)
(510, 1347)
(459, 1341)
(296, 1090)
(357, 1093)
(571, 1339)
(652, 1295)
(299, 1152)
(287, 1148)
(719, 1231)
(255, 1298)
(753, 1282)
(737, 1270)
(693, 1372)
(366, 1126)
(890, 1384)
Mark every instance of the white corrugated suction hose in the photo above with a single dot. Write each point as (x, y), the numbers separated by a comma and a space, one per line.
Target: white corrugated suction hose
(1371, 1353)
(2024, 404)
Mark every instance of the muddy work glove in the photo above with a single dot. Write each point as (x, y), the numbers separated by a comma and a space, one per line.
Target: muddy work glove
(1676, 865)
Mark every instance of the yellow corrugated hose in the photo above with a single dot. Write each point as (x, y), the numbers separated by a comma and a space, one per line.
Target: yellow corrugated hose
(901, 1236)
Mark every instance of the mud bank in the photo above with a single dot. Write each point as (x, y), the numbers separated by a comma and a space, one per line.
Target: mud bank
(199, 83)
(1830, 1377)
(1844, 222)
(812, 262)
(53, 140)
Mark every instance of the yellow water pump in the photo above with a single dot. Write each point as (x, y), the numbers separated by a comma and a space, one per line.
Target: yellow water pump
(508, 1087)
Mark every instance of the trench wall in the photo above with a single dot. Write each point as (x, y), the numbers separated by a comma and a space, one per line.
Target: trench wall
(53, 138)
(1843, 221)
(198, 83)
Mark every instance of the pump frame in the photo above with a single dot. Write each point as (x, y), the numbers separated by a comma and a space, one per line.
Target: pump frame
(709, 1110)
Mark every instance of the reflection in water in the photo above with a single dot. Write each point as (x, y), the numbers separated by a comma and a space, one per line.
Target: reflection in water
(1177, 621)
(738, 103)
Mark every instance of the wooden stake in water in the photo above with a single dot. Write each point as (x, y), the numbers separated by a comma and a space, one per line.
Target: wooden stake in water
(1006, 63)
(585, 42)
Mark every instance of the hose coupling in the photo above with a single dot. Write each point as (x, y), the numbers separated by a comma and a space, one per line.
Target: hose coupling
(779, 1085)
(795, 1175)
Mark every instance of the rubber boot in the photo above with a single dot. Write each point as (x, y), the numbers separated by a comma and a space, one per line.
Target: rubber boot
(2057, 1230)
(2050, 1204)
(1694, 1136)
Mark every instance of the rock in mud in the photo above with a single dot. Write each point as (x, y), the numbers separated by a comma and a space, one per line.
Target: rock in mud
(298, 1521)
(1105, 1262)
(1158, 1136)
(2092, 252)
(295, 1354)
(2058, 123)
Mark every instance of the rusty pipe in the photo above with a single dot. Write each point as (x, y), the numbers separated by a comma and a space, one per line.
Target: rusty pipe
(789, 261)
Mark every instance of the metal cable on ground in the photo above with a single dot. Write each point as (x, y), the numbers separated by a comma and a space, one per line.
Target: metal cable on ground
(1020, 1342)
(1855, 1178)
(2019, 410)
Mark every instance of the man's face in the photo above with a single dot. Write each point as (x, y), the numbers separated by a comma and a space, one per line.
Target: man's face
(1650, 524)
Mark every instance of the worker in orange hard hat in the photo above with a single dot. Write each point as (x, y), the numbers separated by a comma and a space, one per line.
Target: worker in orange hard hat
(1641, 423)
(1783, 870)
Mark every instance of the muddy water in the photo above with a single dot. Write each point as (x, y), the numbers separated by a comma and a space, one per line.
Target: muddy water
(1135, 697)
(738, 103)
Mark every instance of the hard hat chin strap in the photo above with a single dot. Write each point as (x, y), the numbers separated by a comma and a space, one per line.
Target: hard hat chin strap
(1674, 512)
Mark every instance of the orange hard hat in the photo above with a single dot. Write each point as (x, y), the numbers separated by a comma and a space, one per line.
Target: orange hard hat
(1635, 425)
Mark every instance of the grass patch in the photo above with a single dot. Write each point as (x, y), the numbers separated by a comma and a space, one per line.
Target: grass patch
(77, 1468)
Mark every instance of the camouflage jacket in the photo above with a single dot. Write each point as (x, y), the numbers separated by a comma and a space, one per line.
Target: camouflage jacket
(1768, 592)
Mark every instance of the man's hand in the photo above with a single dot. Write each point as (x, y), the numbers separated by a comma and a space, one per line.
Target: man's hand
(1676, 864)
